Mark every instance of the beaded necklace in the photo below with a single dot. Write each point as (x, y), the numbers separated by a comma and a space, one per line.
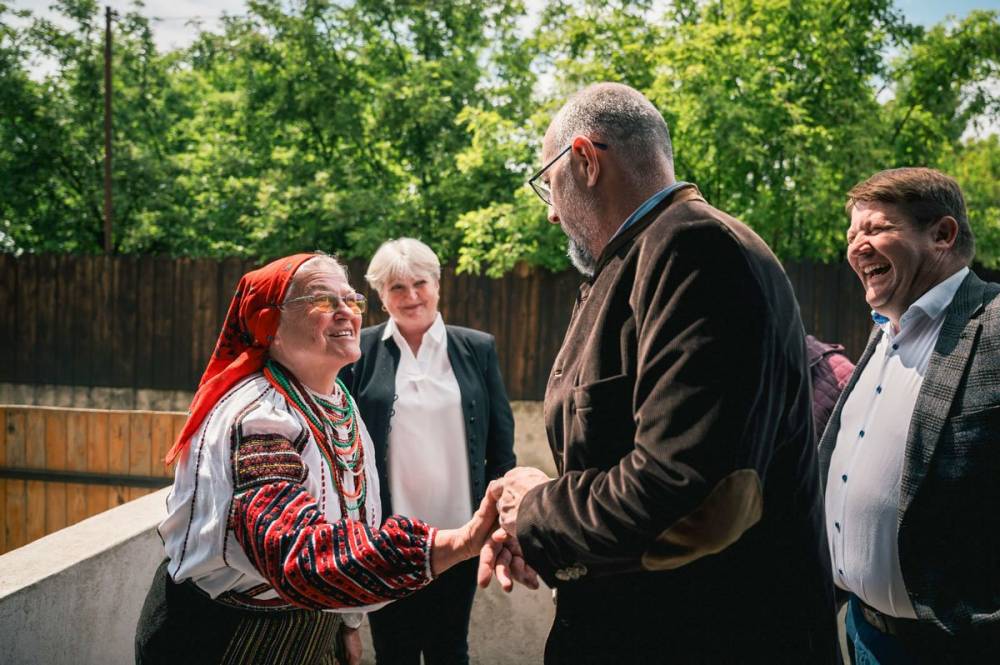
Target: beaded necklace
(346, 456)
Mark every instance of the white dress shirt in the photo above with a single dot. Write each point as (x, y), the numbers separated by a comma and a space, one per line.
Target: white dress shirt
(428, 458)
(862, 491)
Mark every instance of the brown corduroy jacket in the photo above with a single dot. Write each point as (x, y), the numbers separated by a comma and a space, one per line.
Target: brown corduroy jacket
(687, 515)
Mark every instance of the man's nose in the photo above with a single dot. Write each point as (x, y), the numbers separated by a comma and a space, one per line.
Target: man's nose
(553, 216)
(856, 246)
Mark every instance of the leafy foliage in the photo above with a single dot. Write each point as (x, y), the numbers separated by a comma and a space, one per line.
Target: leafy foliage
(336, 125)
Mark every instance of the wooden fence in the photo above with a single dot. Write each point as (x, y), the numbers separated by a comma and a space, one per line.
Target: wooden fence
(151, 322)
(60, 466)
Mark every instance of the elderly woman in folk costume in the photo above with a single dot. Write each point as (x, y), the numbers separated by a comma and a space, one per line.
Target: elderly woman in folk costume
(274, 514)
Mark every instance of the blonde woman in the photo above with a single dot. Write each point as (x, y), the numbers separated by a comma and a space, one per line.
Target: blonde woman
(434, 402)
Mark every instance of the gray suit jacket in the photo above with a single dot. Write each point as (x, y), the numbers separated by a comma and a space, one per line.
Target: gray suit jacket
(949, 504)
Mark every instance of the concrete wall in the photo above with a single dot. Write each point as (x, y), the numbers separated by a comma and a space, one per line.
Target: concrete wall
(74, 596)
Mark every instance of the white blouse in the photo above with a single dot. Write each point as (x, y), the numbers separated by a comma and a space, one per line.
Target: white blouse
(428, 457)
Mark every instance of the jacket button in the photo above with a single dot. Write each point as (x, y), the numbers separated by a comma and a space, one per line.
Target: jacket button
(570, 573)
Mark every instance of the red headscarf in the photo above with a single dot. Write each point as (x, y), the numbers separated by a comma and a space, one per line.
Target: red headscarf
(246, 335)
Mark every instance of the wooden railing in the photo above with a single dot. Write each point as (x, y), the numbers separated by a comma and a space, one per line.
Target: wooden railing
(59, 466)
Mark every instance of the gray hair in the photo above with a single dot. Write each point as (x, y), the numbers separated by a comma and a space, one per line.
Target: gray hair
(401, 258)
(624, 118)
(320, 263)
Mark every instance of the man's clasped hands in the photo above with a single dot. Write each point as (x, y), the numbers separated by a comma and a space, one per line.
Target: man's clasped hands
(501, 555)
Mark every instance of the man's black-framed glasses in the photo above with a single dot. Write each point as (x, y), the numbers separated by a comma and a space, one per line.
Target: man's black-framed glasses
(541, 187)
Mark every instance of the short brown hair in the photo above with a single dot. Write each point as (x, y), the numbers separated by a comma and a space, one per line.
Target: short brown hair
(924, 195)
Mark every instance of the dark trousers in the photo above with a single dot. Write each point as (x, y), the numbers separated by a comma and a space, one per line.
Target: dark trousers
(433, 621)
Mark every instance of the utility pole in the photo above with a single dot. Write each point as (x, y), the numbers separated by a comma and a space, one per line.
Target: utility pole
(108, 242)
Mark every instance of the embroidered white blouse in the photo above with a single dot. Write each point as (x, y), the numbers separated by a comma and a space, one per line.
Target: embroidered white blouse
(254, 512)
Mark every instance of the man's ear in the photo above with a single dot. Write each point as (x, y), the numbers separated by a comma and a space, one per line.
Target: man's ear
(590, 166)
(945, 232)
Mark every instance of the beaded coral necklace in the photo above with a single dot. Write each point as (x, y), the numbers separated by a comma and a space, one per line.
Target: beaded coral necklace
(345, 458)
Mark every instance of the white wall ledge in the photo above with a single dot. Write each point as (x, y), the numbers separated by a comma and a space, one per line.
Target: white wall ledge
(74, 596)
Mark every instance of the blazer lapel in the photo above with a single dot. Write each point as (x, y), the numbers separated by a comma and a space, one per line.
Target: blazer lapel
(948, 364)
(828, 441)
(462, 364)
(382, 388)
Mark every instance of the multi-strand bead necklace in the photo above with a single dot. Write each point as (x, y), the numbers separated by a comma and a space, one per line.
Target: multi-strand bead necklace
(346, 456)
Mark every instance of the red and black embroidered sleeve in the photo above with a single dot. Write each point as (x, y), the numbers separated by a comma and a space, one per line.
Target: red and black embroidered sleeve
(312, 563)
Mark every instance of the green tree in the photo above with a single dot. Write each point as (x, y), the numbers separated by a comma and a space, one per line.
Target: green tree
(776, 109)
(337, 125)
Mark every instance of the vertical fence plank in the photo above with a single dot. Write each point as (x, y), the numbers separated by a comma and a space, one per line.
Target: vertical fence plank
(98, 442)
(61, 321)
(103, 341)
(82, 315)
(817, 309)
(3, 481)
(181, 376)
(118, 453)
(8, 322)
(26, 316)
(123, 360)
(178, 426)
(15, 517)
(161, 437)
(140, 448)
(164, 344)
(204, 300)
(76, 460)
(55, 460)
(531, 302)
(146, 310)
(230, 271)
(45, 297)
(35, 459)
(852, 310)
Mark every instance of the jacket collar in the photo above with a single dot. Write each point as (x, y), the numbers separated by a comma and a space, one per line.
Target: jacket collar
(688, 192)
(435, 333)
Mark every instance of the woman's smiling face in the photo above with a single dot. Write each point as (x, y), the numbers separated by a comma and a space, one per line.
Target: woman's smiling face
(313, 336)
(412, 301)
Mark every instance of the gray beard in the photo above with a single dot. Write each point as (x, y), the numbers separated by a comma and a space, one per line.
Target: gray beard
(580, 257)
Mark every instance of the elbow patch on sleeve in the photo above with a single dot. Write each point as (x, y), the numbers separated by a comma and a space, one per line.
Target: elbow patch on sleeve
(733, 506)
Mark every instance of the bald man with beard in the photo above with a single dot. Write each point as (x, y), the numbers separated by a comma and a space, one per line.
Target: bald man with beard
(686, 522)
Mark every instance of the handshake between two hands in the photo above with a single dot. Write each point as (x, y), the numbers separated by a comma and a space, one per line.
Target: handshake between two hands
(493, 530)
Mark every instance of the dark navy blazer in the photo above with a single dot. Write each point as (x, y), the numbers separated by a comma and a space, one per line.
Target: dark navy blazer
(489, 423)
